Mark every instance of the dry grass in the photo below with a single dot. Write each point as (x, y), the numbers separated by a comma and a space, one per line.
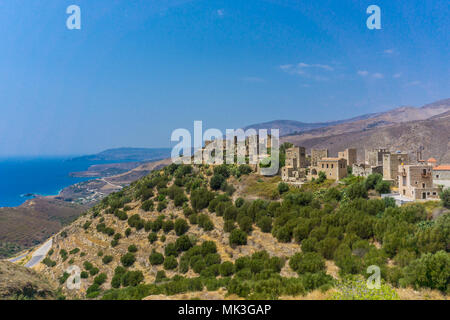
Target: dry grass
(422, 294)
(259, 186)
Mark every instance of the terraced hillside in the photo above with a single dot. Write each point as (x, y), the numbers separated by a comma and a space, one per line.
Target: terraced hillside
(185, 231)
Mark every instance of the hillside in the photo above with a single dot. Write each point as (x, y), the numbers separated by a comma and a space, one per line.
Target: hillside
(291, 126)
(33, 222)
(183, 229)
(363, 122)
(433, 134)
(17, 282)
(37, 219)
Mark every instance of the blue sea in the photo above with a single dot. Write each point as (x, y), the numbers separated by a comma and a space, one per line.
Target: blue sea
(20, 177)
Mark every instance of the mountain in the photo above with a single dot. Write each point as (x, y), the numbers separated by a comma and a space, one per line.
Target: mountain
(367, 121)
(33, 222)
(129, 154)
(292, 126)
(405, 129)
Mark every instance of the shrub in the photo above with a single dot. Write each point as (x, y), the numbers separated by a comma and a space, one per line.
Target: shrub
(161, 206)
(128, 259)
(445, 198)
(93, 291)
(357, 289)
(74, 251)
(223, 170)
(431, 271)
(170, 263)
(205, 222)
(87, 265)
(84, 275)
(183, 243)
(245, 223)
(49, 262)
(179, 200)
(100, 279)
(132, 248)
(265, 224)
(132, 278)
(230, 213)
(122, 215)
(244, 169)
(152, 237)
(147, 205)
(181, 226)
(216, 181)
(307, 262)
(208, 247)
(283, 187)
(136, 222)
(372, 180)
(167, 226)
(107, 259)
(200, 198)
(383, 187)
(156, 258)
(357, 190)
(238, 237)
(226, 269)
(229, 226)
(171, 250)
(94, 271)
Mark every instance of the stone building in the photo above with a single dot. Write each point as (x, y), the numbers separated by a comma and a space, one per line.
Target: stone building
(295, 165)
(334, 168)
(416, 182)
(375, 157)
(441, 175)
(349, 155)
(364, 170)
(391, 161)
(317, 154)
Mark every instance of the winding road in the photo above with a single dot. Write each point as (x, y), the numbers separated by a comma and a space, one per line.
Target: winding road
(39, 254)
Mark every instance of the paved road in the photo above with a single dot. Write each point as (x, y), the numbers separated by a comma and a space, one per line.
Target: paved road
(18, 258)
(39, 254)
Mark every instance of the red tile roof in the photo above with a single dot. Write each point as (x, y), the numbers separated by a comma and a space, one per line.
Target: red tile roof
(445, 167)
(431, 160)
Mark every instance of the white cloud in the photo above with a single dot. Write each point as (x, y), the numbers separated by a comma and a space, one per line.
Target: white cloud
(397, 75)
(378, 75)
(389, 51)
(363, 73)
(302, 67)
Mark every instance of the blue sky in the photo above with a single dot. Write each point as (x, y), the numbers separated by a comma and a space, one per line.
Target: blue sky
(139, 69)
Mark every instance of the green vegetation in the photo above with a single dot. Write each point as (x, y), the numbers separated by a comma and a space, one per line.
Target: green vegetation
(128, 259)
(445, 197)
(337, 223)
(357, 289)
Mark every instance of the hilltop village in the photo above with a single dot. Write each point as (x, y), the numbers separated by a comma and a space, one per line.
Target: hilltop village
(416, 179)
(410, 177)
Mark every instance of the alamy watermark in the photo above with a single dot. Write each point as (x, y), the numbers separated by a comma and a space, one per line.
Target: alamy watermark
(74, 20)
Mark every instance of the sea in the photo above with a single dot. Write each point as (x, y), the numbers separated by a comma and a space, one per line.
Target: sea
(21, 178)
